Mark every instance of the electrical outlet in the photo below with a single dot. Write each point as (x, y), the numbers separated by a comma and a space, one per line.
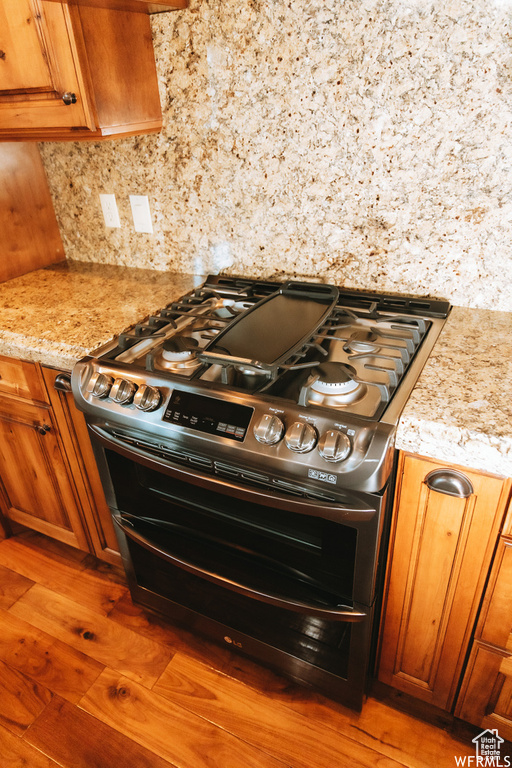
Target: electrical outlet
(110, 212)
(141, 213)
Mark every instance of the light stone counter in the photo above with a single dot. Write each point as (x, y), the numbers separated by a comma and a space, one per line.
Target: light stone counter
(57, 315)
(461, 408)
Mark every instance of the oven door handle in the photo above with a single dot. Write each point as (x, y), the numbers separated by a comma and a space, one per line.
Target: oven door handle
(339, 613)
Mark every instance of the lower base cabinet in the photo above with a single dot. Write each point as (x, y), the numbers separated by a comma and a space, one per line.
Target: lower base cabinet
(48, 477)
(445, 527)
(486, 693)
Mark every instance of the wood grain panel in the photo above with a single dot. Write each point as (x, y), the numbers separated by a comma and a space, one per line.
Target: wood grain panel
(50, 41)
(138, 6)
(443, 525)
(42, 658)
(91, 633)
(75, 438)
(30, 468)
(119, 50)
(30, 233)
(495, 623)
(22, 379)
(172, 733)
(59, 732)
(250, 716)
(96, 591)
(486, 694)
(12, 586)
(441, 549)
(21, 700)
(16, 753)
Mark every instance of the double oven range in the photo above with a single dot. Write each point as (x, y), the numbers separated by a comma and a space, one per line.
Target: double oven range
(245, 440)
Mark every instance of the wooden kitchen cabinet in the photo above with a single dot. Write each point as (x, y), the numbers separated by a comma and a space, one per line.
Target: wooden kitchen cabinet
(75, 72)
(46, 481)
(440, 553)
(486, 693)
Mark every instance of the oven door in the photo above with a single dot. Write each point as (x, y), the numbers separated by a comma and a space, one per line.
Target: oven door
(285, 580)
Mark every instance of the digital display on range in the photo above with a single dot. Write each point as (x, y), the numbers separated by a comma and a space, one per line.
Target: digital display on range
(207, 414)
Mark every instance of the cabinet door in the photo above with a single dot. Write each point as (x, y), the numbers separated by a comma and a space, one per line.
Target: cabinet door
(78, 449)
(36, 486)
(440, 554)
(38, 66)
(486, 695)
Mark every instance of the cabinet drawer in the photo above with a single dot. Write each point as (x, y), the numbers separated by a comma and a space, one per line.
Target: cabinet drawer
(495, 625)
(22, 379)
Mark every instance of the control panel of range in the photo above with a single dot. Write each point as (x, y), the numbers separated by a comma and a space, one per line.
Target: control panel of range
(224, 418)
(301, 437)
(124, 392)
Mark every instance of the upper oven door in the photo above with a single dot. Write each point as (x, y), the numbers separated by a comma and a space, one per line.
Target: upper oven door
(309, 556)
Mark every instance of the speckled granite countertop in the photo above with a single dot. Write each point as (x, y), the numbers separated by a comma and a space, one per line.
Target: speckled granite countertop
(460, 410)
(57, 315)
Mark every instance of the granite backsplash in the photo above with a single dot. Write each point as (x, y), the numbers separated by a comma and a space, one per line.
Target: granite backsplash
(366, 142)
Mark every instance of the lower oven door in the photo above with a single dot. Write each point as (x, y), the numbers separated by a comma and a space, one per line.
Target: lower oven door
(284, 580)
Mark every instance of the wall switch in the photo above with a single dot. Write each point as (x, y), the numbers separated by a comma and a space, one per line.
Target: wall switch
(141, 213)
(110, 212)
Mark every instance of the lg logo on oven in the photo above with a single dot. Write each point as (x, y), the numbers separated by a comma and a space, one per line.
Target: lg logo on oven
(325, 477)
(230, 640)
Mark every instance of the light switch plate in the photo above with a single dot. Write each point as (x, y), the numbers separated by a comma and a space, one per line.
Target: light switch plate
(110, 212)
(141, 213)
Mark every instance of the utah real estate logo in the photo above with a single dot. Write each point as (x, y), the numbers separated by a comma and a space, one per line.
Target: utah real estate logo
(488, 747)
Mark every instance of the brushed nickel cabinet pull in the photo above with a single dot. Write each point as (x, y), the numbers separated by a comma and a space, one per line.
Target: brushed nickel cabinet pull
(62, 382)
(449, 481)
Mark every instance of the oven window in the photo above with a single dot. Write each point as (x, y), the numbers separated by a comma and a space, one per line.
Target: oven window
(304, 556)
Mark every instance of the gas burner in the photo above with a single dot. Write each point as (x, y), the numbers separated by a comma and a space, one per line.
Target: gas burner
(361, 342)
(227, 309)
(333, 384)
(179, 355)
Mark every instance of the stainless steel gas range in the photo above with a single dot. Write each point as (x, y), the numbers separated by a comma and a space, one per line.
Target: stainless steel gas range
(245, 440)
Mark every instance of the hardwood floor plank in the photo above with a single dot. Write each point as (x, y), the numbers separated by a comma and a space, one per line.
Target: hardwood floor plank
(16, 753)
(277, 729)
(173, 733)
(74, 738)
(58, 551)
(149, 625)
(417, 743)
(95, 589)
(42, 658)
(12, 586)
(93, 634)
(21, 700)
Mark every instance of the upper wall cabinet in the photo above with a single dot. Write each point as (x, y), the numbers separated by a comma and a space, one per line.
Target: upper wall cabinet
(75, 71)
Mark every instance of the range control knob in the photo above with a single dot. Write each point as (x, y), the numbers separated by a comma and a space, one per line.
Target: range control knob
(334, 445)
(269, 429)
(100, 384)
(300, 437)
(147, 398)
(122, 391)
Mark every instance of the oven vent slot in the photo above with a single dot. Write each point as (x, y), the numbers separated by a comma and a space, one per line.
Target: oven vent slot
(226, 470)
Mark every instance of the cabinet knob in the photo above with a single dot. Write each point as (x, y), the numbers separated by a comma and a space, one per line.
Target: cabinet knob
(43, 429)
(69, 98)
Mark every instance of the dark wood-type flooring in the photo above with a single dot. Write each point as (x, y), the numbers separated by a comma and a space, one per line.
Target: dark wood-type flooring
(87, 680)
